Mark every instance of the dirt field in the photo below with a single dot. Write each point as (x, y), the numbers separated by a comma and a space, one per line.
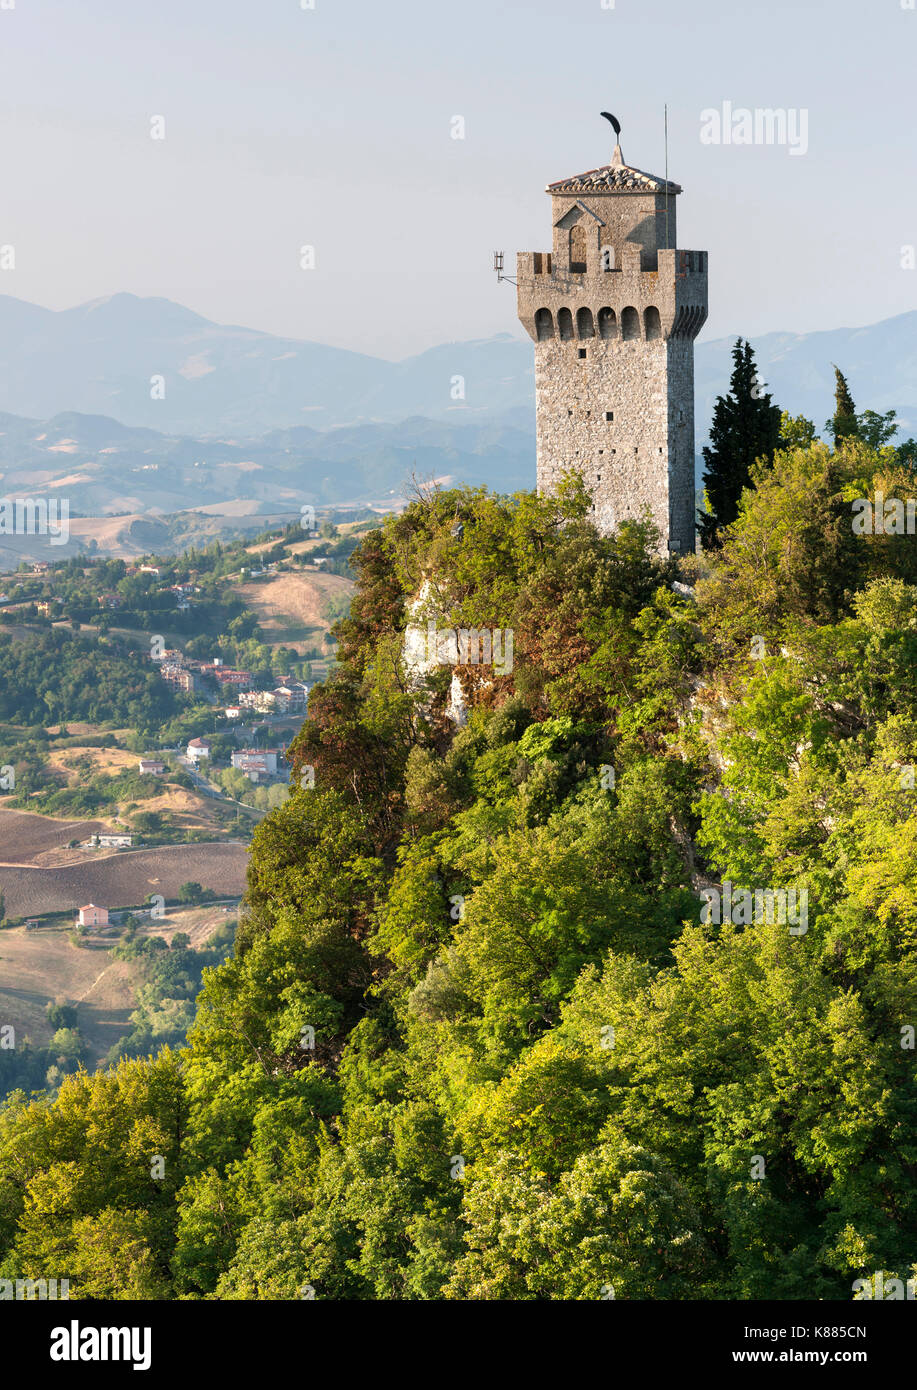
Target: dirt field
(109, 761)
(188, 809)
(29, 839)
(199, 922)
(123, 879)
(291, 602)
(39, 966)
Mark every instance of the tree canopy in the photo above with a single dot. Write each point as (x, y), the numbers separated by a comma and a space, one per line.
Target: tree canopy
(480, 1036)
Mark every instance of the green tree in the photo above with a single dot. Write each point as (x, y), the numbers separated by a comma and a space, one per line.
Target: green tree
(843, 423)
(877, 430)
(746, 428)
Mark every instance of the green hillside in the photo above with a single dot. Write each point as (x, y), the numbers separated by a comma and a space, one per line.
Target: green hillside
(613, 985)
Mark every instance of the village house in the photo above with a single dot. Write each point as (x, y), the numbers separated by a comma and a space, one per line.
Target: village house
(152, 765)
(263, 701)
(256, 762)
(92, 916)
(291, 695)
(226, 675)
(198, 750)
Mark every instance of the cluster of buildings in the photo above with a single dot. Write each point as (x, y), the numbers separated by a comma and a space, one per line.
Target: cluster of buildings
(188, 674)
(225, 675)
(283, 699)
(111, 600)
(108, 840)
(174, 672)
(256, 763)
(181, 592)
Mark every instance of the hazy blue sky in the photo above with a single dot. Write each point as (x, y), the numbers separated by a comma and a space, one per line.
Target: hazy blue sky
(331, 127)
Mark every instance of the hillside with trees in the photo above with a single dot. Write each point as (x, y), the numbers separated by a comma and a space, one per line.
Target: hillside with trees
(481, 1035)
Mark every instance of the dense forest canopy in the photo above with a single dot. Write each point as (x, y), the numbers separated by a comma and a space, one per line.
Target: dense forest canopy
(480, 1037)
(57, 674)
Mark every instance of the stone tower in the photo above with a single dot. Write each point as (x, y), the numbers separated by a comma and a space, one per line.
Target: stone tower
(613, 310)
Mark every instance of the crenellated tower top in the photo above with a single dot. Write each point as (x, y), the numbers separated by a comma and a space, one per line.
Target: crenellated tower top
(613, 309)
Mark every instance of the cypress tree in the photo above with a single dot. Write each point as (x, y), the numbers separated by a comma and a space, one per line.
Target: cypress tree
(746, 427)
(843, 424)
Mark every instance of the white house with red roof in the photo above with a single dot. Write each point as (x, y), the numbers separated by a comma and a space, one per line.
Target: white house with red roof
(198, 750)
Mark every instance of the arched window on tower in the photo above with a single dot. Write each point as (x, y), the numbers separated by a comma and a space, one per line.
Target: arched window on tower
(578, 249)
(565, 324)
(608, 324)
(630, 323)
(584, 324)
(544, 324)
(608, 258)
(652, 327)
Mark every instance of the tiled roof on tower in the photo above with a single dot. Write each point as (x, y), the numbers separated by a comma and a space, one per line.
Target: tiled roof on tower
(616, 175)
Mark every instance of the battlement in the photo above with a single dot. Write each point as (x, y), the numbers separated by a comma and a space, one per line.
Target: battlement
(612, 302)
(532, 263)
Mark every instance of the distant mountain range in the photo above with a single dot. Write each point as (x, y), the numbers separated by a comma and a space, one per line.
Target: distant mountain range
(106, 468)
(238, 384)
(102, 358)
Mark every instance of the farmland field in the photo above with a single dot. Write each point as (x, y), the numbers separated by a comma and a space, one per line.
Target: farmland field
(39, 966)
(290, 607)
(29, 839)
(123, 879)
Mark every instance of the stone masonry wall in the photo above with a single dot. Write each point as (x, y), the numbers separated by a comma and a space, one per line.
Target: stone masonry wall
(680, 358)
(624, 461)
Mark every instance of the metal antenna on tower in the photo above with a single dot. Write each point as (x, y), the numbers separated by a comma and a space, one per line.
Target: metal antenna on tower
(666, 110)
(498, 267)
